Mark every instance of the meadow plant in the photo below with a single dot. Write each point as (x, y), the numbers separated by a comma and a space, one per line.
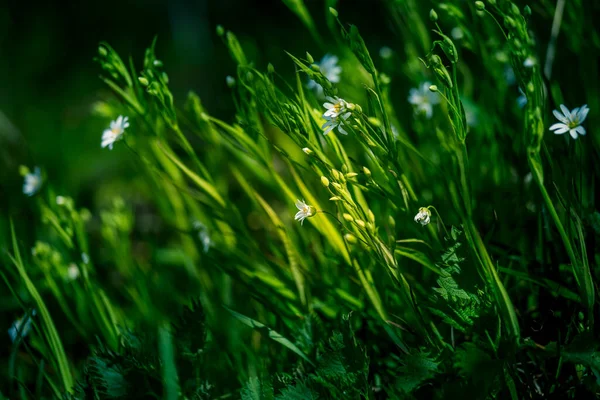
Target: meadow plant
(391, 222)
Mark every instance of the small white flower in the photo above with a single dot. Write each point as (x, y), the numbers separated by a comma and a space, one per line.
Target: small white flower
(33, 182)
(230, 80)
(330, 69)
(73, 271)
(457, 33)
(529, 62)
(570, 121)
(423, 216)
(307, 151)
(338, 111)
(85, 258)
(423, 99)
(117, 128)
(203, 235)
(304, 211)
(21, 327)
(60, 200)
(386, 53)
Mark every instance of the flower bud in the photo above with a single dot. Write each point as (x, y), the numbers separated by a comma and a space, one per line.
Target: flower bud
(143, 81)
(270, 68)
(371, 216)
(102, 51)
(360, 223)
(348, 217)
(333, 12)
(344, 168)
(335, 198)
(307, 151)
(351, 175)
(350, 238)
(336, 174)
(433, 88)
(337, 186)
(391, 222)
(527, 11)
(230, 80)
(220, 30)
(515, 9)
(315, 68)
(479, 5)
(309, 58)
(433, 15)
(325, 181)
(367, 172)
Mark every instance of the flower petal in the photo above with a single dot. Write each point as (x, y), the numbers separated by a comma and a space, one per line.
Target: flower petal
(560, 117)
(583, 112)
(559, 128)
(580, 130)
(573, 133)
(565, 111)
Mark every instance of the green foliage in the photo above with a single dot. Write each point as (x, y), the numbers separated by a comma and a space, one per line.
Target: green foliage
(270, 250)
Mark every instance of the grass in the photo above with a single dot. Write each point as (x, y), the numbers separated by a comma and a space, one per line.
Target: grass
(448, 246)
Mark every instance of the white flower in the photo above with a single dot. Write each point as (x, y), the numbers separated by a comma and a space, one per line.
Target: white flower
(85, 258)
(338, 111)
(33, 182)
(203, 235)
(330, 69)
(117, 128)
(424, 99)
(60, 200)
(73, 271)
(304, 211)
(386, 53)
(21, 327)
(423, 216)
(570, 121)
(529, 62)
(307, 151)
(230, 80)
(457, 33)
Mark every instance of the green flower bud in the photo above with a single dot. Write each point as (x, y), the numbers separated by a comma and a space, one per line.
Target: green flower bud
(333, 12)
(270, 68)
(515, 9)
(220, 30)
(102, 51)
(143, 81)
(433, 15)
(433, 88)
(479, 5)
(350, 238)
(336, 174)
(367, 172)
(527, 11)
(360, 223)
(309, 58)
(335, 198)
(325, 181)
(371, 216)
(230, 80)
(315, 68)
(351, 175)
(348, 217)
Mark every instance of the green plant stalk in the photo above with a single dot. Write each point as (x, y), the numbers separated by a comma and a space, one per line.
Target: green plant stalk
(167, 357)
(584, 282)
(50, 332)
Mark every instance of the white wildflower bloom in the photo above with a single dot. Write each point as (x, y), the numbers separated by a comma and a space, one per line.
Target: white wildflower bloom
(338, 111)
(203, 235)
(73, 272)
(33, 182)
(307, 151)
(21, 327)
(117, 128)
(570, 121)
(423, 216)
(330, 69)
(60, 200)
(304, 211)
(423, 99)
(386, 53)
(457, 33)
(529, 62)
